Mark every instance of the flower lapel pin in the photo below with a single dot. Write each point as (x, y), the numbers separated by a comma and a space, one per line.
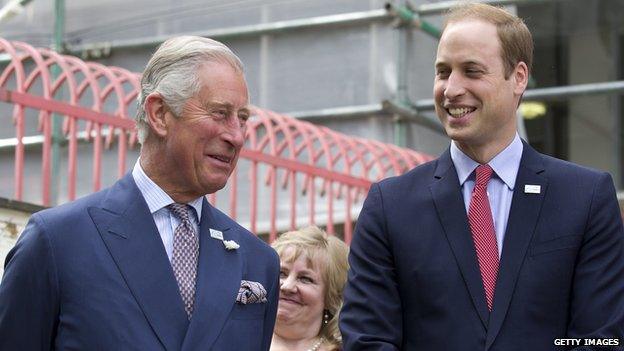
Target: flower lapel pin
(228, 244)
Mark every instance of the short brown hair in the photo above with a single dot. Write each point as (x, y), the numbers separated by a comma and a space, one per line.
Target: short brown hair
(328, 254)
(515, 38)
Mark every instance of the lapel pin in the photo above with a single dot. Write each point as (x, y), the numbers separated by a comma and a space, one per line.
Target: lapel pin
(532, 189)
(216, 234)
(230, 245)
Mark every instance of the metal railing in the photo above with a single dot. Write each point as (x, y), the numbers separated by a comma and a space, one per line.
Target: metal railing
(283, 160)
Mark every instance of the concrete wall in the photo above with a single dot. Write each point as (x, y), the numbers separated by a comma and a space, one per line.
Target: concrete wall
(13, 218)
(592, 119)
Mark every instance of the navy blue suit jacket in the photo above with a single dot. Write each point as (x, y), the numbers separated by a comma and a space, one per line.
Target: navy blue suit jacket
(94, 275)
(414, 282)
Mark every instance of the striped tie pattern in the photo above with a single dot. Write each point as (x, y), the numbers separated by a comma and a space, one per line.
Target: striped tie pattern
(185, 256)
(483, 234)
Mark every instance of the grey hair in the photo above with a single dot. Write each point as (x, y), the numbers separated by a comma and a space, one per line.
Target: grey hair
(172, 72)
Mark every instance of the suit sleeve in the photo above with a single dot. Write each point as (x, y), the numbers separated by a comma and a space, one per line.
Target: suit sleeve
(371, 317)
(597, 302)
(29, 297)
(273, 299)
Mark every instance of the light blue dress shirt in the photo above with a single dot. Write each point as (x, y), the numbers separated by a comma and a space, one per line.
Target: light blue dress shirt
(500, 187)
(157, 201)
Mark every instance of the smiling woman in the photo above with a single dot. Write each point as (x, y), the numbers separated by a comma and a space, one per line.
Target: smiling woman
(312, 276)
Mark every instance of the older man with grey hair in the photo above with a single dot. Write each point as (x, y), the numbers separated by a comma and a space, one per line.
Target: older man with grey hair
(148, 264)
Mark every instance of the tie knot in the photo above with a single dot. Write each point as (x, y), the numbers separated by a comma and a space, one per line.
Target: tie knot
(484, 173)
(180, 211)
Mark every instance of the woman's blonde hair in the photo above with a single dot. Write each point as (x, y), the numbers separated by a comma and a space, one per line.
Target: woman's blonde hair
(328, 254)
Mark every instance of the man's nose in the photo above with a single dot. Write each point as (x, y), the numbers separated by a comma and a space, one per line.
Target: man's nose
(235, 133)
(454, 86)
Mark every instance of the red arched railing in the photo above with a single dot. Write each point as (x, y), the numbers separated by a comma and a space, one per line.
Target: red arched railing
(290, 173)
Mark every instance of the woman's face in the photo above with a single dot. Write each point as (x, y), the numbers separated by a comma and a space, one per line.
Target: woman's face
(302, 292)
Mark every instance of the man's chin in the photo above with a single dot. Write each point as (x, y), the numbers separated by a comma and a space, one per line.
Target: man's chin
(457, 134)
(212, 186)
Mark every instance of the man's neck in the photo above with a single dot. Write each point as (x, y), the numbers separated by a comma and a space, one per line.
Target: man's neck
(486, 152)
(157, 171)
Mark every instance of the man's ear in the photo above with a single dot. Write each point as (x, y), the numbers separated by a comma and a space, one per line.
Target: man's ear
(155, 113)
(521, 78)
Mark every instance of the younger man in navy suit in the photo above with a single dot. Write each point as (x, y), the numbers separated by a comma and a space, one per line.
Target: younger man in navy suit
(492, 246)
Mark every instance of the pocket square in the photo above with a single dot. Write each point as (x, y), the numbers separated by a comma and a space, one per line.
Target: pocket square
(251, 292)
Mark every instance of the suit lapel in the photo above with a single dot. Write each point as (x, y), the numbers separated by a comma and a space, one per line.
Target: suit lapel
(523, 216)
(128, 230)
(450, 206)
(218, 280)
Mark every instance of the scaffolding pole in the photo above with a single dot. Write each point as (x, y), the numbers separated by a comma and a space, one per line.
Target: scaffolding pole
(440, 7)
(423, 105)
(57, 120)
(241, 31)
(98, 48)
(552, 93)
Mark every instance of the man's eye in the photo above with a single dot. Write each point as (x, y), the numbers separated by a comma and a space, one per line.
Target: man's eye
(442, 73)
(243, 117)
(220, 113)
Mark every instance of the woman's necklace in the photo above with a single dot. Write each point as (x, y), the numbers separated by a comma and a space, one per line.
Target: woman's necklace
(316, 346)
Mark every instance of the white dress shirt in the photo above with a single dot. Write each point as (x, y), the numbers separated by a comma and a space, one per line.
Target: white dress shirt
(500, 187)
(157, 201)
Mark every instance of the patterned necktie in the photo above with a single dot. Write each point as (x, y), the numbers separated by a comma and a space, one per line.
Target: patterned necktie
(185, 255)
(483, 234)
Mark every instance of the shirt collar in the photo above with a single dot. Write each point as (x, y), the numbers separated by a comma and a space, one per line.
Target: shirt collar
(505, 164)
(155, 197)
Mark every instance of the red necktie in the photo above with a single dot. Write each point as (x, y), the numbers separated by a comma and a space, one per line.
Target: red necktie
(483, 234)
